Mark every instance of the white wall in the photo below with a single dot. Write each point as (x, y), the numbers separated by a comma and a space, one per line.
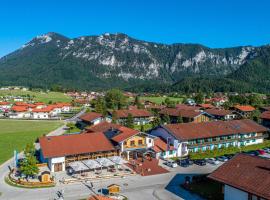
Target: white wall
(40, 115)
(231, 193)
(149, 143)
(53, 161)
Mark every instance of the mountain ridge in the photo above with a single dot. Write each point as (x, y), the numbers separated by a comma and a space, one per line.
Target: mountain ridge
(116, 60)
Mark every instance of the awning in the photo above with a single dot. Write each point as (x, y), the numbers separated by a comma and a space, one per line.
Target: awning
(117, 160)
(105, 162)
(91, 164)
(78, 166)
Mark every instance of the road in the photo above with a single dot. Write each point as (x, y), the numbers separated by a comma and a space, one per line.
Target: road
(160, 187)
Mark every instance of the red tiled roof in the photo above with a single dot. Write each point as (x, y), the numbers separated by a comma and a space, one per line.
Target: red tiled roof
(21, 104)
(63, 145)
(160, 145)
(218, 112)
(124, 134)
(265, 115)
(177, 112)
(187, 131)
(266, 108)
(206, 105)
(4, 103)
(133, 112)
(39, 103)
(247, 173)
(102, 127)
(187, 107)
(46, 109)
(19, 108)
(61, 105)
(246, 108)
(90, 116)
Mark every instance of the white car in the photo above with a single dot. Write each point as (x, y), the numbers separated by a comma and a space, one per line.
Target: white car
(222, 158)
(171, 163)
(212, 161)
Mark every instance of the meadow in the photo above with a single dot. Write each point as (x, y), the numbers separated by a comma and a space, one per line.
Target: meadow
(38, 96)
(15, 134)
(159, 100)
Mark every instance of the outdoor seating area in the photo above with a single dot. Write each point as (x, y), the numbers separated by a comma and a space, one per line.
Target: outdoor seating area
(96, 169)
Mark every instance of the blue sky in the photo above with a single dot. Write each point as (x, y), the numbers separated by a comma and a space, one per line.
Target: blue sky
(214, 23)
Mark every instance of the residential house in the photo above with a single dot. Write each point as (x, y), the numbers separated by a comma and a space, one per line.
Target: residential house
(90, 118)
(163, 150)
(244, 177)
(220, 114)
(244, 111)
(140, 116)
(194, 137)
(205, 106)
(41, 113)
(19, 112)
(127, 141)
(265, 117)
(187, 115)
(5, 105)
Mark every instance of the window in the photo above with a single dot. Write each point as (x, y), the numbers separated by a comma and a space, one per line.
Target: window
(149, 141)
(125, 143)
(132, 143)
(140, 142)
(171, 152)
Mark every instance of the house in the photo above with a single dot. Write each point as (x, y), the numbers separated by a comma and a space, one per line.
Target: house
(42, 113)
(205, 106)
(217, 101)
(19, 112)
(244, 177)
(194, 137)
(65, 107)
(59, 151)
(90, 118)
(187, 115)
(127, 141)
(220, 114)
(163, 150)
(140, 116)
(244, 110)
(263, 109)
(265, 117)
(5, 105)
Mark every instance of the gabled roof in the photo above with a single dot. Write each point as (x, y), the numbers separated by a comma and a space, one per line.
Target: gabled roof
(44, 110)
(183, 113)
(188, 131)
(19, 108)
(265, 115)
(63, 145)
(90, 116)
(245, 108)
(102, 127)
(124, 134)
(3, 103)
(247, 173)
(206, 105)
(133, 112)
(218, 112)
(21, 104)
(160, 145)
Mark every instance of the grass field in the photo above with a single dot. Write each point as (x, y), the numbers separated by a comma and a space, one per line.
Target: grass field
(159, 100)
(16, 134)
(38, 96)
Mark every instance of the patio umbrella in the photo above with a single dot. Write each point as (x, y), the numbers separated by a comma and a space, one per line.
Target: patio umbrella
(78, 166)
(105, 162)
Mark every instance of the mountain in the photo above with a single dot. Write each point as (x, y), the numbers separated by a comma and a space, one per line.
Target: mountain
(117, 60)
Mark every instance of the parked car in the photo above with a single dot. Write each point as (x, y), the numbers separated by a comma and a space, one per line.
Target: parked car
(171, 163)
(229, 156)
(184, 163)
(253, 153)
(212, 161)
(222, 158)
(200, 162)
(261, 152)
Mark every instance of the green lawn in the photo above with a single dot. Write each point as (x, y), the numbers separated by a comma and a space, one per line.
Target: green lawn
(159, 100)
(38, 96)
(16, 134)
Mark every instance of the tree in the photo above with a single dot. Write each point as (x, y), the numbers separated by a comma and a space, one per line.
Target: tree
(255, 115)
(142, 128)
(28, 166)
(156, 122)
(180, 119)
(199, 98)
(166, 119)
(70, 126)
(114, 117)
(169, 103)
(138, 103)
(115, 99)
(130, 121)
(100, 106)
